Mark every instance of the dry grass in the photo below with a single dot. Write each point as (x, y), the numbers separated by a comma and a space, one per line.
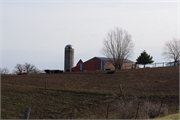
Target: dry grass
(147, 109)
(57, 104)
(126, 110)
(151, 110)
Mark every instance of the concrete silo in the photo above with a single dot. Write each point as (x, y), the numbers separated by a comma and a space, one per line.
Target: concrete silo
(68, 58)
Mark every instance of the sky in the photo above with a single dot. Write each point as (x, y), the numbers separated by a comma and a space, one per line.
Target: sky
(37, 31)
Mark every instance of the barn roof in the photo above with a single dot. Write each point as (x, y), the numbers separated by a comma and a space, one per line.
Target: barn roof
(107, 59)
(80, 61)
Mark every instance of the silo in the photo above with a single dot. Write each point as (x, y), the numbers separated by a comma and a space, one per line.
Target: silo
(68, 58)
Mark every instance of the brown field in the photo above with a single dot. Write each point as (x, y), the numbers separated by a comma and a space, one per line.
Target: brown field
(163, 80)
(49, 104)
(17, 92)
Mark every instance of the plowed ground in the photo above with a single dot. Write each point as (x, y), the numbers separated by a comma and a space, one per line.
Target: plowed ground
(16, 92)
(163, 80)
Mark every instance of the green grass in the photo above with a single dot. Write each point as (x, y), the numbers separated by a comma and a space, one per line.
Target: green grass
(56, 101)
(170, 117)
(79, 92)
(75, 98)
(64, 102)
(152, 95)
(70, 91)
(3, 112)
(99, 93)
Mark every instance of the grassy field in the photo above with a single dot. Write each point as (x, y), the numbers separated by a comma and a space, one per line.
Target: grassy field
(49, 104)
(86, 95)
(58, 104)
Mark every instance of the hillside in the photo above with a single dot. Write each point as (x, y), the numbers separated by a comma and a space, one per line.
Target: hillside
(163, 80)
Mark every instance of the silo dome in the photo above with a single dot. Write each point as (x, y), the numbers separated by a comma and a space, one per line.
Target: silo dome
(69, 47)
(69, 58)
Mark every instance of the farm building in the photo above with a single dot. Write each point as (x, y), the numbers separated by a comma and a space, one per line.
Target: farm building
(99, 63)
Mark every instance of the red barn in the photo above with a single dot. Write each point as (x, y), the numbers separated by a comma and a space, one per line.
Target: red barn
(97, 64)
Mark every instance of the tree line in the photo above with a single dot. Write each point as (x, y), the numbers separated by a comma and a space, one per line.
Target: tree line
(118, 45)
(22, 68)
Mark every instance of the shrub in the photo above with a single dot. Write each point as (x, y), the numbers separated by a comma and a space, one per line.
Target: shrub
(151, 110)
(128, 109)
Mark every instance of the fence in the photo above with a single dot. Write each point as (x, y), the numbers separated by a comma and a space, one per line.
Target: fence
(157, 113)
(153, 65)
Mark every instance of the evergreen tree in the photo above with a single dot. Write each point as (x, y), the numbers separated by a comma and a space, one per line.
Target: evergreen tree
(144, 59)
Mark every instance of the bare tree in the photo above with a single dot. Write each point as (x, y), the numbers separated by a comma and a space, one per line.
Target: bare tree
(18, 68)
(29, 68)
(5, 71)
(117, 46)
(172, 50)
(36, 71)
(14, 72)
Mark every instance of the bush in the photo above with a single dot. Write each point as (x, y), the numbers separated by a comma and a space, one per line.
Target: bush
(151, 110)
(128, 109)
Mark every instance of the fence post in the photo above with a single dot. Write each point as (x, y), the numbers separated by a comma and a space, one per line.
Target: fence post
(177, 105)
(71, 113)
(160, 108)
(137, 110)
(26, 113)
(120, 88)
(45, 85)
(107, 111)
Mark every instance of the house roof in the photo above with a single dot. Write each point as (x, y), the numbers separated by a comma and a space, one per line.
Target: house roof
(107, 59)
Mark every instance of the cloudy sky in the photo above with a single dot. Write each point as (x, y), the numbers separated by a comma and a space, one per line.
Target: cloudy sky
(36, 31)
